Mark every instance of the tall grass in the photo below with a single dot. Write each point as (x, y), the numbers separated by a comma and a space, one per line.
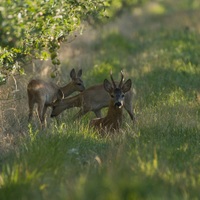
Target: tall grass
(156, 158)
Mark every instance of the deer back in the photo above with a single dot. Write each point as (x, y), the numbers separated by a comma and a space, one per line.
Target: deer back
(40, 90)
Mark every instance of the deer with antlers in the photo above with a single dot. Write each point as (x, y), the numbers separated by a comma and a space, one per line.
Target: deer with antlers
(113, 120)
(46, 93)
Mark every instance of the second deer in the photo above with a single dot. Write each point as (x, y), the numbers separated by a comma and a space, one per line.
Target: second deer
(113, 120)
(46, 93)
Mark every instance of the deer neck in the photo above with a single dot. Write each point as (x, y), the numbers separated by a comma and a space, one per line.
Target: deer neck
(114, 113)
(67, 89)
(75, 101)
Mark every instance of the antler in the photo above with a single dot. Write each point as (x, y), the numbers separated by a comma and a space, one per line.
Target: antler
(113, 82)
(122, 80)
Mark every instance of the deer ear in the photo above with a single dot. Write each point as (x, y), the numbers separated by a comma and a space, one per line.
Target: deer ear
(107, 85)
(73, 74)
(79, 73)
(127, 86)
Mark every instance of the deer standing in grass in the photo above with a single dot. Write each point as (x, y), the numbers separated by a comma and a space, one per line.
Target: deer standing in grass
(46, 93)
(91, 99)
(113, 120)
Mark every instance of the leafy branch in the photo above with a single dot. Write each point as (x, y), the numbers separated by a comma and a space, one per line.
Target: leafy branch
(35, 29)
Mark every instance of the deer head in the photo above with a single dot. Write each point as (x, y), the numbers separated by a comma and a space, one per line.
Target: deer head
(76, 80)
(117, 92)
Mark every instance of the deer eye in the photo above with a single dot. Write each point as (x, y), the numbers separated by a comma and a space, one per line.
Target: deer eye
(112, 95)
(122, 95)
(78, 84)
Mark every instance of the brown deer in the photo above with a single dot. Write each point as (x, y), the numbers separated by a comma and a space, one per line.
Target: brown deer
(113, 120)
(91, 99)
(45, 93)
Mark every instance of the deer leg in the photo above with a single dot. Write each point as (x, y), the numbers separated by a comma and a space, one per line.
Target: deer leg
(80, 113)
(83, 112)
(31, 106)
(44, 112)
(129, 108)
(41, 108)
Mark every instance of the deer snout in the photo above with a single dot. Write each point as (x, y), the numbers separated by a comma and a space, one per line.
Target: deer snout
(52, 113)
(118, 104)
(80, 87)
(52, 116)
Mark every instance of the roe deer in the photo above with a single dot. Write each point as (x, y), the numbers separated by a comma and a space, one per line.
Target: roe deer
(45, 93)
(113, 120)
(91, 99)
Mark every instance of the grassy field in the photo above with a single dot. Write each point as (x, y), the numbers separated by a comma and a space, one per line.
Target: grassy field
(157, 46)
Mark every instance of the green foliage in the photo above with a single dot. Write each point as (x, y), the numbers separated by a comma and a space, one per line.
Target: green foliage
(29, 29)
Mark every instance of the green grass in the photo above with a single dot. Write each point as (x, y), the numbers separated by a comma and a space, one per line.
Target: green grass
(156, 158)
